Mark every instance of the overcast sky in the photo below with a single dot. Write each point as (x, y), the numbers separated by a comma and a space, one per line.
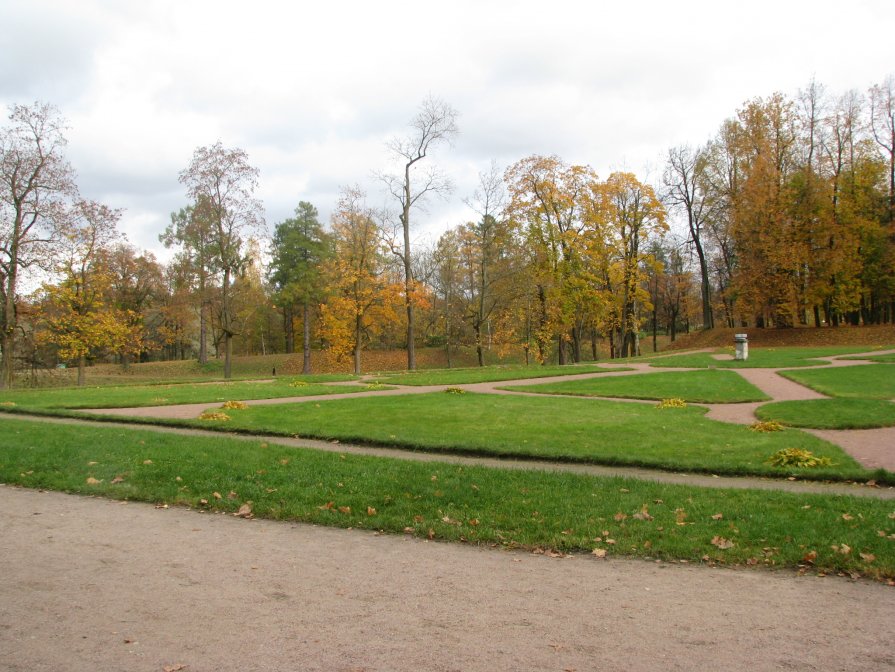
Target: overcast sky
(313, 91)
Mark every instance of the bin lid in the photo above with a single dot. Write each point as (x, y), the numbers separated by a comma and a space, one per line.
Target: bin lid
(741, 337)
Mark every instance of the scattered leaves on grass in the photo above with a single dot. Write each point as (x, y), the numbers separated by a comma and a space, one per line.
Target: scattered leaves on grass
(619, 517)
(455, 390)
(298, 383)
(843, 549)
(643, 514)
(8, 403)
(722, 543)
(234, 405)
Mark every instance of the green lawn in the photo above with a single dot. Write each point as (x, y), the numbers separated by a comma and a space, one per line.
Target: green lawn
(569, 429)
(711, 386)
(512, 508)
(488, 374)
(760, 357)
(831, 413)
(871, 381)
(180, 393)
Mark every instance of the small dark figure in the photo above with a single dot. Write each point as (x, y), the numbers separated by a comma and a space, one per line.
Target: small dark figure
(274, 372)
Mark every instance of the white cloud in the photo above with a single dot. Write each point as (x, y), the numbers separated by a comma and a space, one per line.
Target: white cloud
(313, 92)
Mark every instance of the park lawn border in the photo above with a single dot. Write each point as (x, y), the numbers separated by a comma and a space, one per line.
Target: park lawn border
(535, 510)
(491, 374)
(866, 381)
(657, 386)
(339, 429)
(834, 413)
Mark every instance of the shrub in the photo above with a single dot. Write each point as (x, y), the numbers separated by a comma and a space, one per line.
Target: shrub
(672, 403)
(797, 457)
(766, 426)
(214, 415)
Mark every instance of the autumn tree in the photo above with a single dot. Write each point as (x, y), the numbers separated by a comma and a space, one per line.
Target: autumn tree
(78, 313)
(434, 124)
(299, 249)
(36, 184)
(223, 181)
(362, 297)
(135, 284)
(632, 215)
(546, 202)
(882, 123)
(192, 231)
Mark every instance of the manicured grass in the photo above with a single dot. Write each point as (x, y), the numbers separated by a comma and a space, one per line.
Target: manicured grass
(489, 374)
(760, 357)
(831, 413)
(711, 386)
(871, 381)
(569, 429)
(512, 508)
(882, 359)
(163, 395)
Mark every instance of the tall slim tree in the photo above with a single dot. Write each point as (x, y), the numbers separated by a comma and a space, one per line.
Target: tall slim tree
(36, 183)
(434, 124)
(299, 250)
(225, 181)
(192, 230)
(686, 189)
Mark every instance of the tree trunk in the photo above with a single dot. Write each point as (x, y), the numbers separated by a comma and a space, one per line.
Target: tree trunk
(82, 373)
(357, 344)
(306, 338)
(203, 332)
(226, 325)
(408, 272)
(289, 328)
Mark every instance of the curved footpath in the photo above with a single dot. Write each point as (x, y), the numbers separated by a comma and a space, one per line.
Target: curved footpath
(873, 448)
(93, 584)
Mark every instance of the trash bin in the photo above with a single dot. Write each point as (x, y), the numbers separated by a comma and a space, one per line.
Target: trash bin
(741, 343)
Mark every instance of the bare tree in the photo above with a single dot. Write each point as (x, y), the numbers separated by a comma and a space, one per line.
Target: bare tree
(882, 123)
(36, 182)
(225, 182)
(434, 124)
(686, 189)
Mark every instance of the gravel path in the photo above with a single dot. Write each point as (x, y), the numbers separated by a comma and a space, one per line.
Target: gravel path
(91, 584)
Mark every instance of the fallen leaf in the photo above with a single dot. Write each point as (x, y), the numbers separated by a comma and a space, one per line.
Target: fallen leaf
(245, 511)
(117, 479)
(474, 522)
(371, 511)
(232, 495)
(643, 514)
(567, 532)
(681, 516)
(847, 516)
(611, 542)
(93, 481)
(178, 479)
(408, 530)
(810, 557)
(722, 543)
(418, 519)
(620, 516)
(90, 464)
(718, 516)
(623, 490)
(599, 552)
(147, 461)
(867, 557)
(216, 495)
(431, 533)
(344, 509)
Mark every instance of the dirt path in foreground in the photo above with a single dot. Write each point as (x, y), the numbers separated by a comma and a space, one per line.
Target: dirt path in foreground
(91, 584)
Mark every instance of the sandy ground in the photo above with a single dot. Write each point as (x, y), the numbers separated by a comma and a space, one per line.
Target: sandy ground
(91, 585)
